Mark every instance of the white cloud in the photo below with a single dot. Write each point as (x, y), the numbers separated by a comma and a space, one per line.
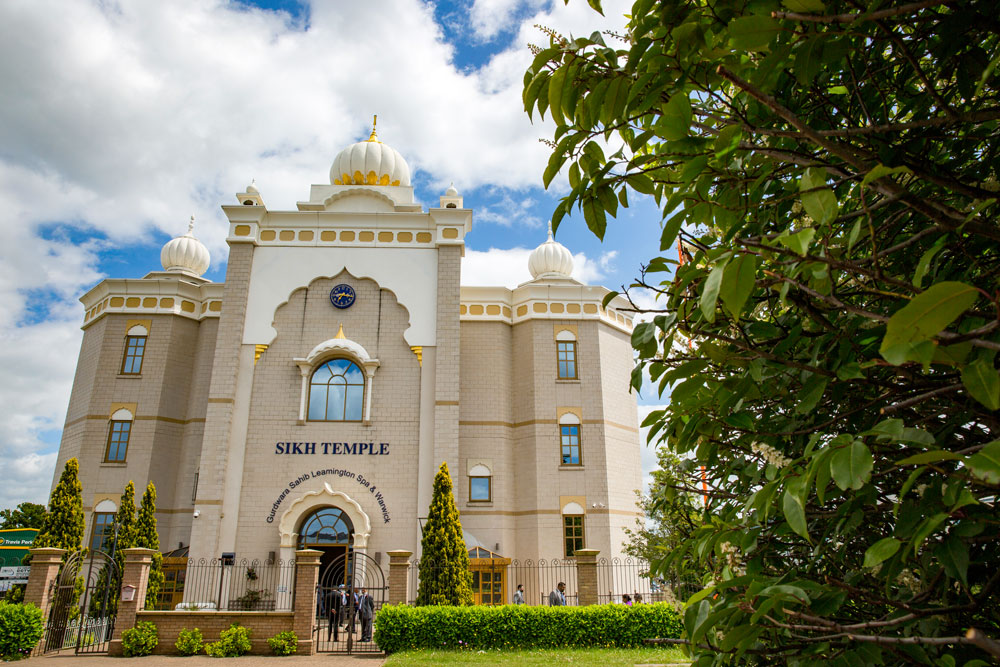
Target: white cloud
(648, 453)
(509, 267)
(122, 119)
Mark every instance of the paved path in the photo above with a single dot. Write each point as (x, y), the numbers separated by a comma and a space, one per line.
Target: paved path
(68, 659)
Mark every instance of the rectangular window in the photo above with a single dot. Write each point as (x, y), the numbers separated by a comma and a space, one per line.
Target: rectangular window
(569, 435)
(118, 436)
(566, 355)
(572, 534)
(135, 346)
(103, 531)
(481, 489)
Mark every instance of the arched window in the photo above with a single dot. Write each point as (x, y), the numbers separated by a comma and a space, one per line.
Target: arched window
(480, 484)
(569, 440)
(329, 526)
(566, 355)
(573, 529)
(119, 432)
(337, 392)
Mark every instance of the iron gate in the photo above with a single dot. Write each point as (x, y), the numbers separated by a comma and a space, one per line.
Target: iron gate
(351, 590)
(84, 603)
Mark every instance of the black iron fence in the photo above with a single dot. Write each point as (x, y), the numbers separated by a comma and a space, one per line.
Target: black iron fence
(626, 580)
(495, 580)
(238, 585)
(619, 580)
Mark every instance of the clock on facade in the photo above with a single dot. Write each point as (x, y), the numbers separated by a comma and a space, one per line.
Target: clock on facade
(342, 296)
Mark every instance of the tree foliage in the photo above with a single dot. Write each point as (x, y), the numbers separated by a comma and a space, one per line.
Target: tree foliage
(670, 513)
(828, 171)
(146, 537)
(445, 570)
(25, 515)
(63, 526)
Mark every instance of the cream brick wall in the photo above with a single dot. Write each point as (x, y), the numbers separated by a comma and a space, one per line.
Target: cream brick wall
(377, 322)
(165, 438)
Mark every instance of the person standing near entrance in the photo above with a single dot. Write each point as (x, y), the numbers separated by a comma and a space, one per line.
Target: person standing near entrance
(519, 594)
(335, 608)
(557, 598)
(366, 610)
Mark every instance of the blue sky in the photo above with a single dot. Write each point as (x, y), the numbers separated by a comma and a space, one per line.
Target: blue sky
(122, 119)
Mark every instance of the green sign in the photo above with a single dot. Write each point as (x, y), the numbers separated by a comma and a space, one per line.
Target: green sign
(14, 544)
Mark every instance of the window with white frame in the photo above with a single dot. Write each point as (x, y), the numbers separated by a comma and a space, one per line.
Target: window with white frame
(135, 350)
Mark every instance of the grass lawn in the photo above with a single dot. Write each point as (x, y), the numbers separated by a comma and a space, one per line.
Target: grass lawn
(588, 656)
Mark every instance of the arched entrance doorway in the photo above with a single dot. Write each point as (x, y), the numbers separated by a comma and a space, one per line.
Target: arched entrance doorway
(330, 530)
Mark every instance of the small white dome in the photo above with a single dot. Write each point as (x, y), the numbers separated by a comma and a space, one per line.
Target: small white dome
(551, 260)
(452, 191)
(369, 163)
(252, 188)
(185, 254)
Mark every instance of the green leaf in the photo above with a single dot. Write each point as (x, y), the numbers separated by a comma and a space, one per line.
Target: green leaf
(926, 528)
(925, 261)
(814, 6)
(928, 313)
(954, 555)
(738, 284)
(555, 94)
(924, 458)
(881, 550)
(752, 32)
(799, 241)
(676, 118)
(641, 183)
(727, 141)
(985, 464)
(795, 513)
(812, 392)
(881, 171)
(670, 231)
(819, 201)
(851, 466)
(982, 382)
(710, 292)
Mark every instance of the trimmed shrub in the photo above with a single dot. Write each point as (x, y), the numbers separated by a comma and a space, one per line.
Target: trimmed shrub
(400, 627)
(232, 643)
(284, 643)
(21, 627)
(189, 642)
(140, 640)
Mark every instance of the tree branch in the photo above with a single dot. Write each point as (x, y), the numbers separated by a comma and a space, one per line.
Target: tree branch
(851, 18)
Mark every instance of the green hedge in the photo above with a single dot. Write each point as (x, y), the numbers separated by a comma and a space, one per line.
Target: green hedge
(400, 627)
(21, 627)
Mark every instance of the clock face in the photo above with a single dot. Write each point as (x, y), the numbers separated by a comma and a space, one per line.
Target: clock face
(342, 296)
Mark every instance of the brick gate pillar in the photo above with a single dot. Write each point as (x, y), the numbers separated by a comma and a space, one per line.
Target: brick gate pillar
(586, 575)
(136, 573)
(304, 609)
(45, 564)
(399, 575)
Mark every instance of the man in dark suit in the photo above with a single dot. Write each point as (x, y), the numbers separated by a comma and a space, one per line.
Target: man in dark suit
(557, 598)
(366, 610)
(334, 607)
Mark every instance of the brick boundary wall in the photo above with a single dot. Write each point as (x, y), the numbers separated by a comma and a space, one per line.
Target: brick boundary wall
(262, 624)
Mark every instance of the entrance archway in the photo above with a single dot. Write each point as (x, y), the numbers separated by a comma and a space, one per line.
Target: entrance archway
(329, 530)
(294, 518)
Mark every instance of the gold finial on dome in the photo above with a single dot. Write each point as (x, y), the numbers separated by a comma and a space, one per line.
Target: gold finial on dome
(340, 334)
(373, 136)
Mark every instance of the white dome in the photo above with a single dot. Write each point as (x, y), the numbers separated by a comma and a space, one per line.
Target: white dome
(369, 163)
(185, 254)
(550, 260)
(252, 188)
(452, 191)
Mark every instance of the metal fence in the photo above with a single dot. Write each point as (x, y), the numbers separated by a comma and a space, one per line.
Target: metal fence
(494, 581)
(244, 585)
(621, 577)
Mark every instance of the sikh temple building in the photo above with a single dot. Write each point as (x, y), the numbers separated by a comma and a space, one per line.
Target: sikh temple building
(309, 400)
